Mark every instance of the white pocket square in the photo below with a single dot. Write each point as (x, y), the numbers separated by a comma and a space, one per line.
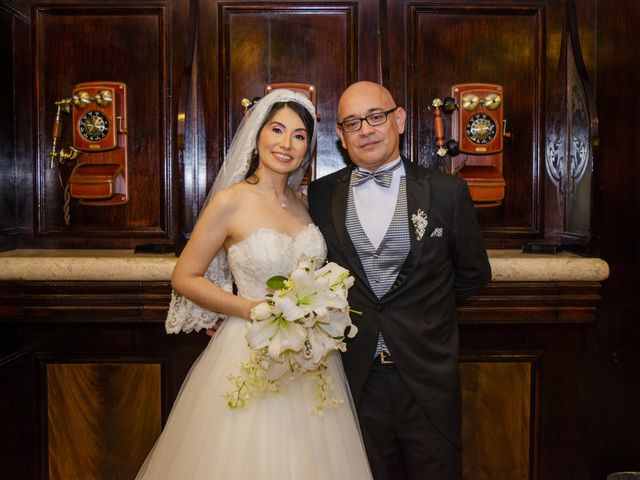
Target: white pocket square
(437, 232)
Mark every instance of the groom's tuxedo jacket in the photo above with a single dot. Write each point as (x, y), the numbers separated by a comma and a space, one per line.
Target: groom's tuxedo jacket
(447, 264)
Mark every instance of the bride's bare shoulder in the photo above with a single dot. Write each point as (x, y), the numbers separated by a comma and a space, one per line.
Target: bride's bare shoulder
(224, 203)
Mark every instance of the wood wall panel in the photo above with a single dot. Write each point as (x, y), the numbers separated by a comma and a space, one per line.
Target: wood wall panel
(614, 382)
(102, 418)
(16, 166)
(18, 415)
(495, 388)
(559, 442)
(76, 44)
(503, 45)
(531, 364)
(245, 45)
(270, 44)
(8, 220)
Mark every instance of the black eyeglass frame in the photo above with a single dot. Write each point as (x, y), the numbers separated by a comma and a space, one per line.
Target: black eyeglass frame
(362, 119)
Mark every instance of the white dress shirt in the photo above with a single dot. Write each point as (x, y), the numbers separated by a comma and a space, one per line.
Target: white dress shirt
(375, 204)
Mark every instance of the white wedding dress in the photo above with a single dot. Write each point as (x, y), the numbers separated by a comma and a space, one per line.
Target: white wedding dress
(275, 437)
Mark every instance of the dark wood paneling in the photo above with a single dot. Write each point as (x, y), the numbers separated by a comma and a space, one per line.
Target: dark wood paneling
(494, 389)
(516, 338)
(614, 361)
(103, 418)
(533, 302)
(111, 355)
(561, 412)
(18, 415)
(270, 44)
(16, 177)
(8, 220)
(119, 43)
(85, 302)
(247, 45)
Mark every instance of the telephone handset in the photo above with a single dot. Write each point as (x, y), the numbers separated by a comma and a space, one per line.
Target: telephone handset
(478, 126)
(99, 115)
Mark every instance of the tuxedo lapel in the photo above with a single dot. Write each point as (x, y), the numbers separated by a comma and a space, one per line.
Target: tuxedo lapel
(338, 213)
(418, 185)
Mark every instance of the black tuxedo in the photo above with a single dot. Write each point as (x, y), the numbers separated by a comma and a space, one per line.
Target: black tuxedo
(418, 315)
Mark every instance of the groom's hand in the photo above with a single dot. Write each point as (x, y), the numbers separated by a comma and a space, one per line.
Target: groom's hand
(214, 329)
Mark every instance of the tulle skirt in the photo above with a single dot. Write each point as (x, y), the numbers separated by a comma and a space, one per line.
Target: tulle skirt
(275, 437)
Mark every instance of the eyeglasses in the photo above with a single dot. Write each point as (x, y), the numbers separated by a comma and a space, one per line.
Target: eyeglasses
(375, 119)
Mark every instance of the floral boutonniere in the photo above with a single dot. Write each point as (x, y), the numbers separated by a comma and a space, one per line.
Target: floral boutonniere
(420, 223)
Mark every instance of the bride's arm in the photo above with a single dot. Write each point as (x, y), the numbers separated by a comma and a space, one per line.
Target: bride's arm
(208, 237)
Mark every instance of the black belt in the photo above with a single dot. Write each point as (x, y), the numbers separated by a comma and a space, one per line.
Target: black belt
(383, 358)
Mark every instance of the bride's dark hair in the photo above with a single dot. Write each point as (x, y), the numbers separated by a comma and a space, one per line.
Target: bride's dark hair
(304, 115)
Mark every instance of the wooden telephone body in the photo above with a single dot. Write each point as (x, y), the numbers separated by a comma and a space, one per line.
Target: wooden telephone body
(99, 115)
(478, 128)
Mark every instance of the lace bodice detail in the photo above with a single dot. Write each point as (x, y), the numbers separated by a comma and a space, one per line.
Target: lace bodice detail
(267, 253)
(249, 263)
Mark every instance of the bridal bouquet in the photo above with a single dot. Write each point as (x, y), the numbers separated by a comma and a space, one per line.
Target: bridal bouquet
(303, 318)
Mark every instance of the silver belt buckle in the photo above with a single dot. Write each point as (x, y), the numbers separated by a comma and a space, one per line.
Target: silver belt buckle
(384, 359)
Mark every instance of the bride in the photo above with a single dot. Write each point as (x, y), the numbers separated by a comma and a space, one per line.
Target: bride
(255, 225)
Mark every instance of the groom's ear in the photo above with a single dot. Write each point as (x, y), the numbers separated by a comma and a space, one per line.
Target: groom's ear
(401, 119)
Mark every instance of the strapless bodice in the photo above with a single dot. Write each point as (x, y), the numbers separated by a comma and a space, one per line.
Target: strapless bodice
(268, 252)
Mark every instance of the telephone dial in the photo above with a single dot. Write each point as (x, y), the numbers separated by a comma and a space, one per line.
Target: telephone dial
(475, 149)
(99, 144)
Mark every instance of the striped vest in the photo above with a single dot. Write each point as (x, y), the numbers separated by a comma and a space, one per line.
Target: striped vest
(382, 264)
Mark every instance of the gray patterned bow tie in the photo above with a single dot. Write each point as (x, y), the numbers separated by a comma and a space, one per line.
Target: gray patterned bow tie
(381, 177)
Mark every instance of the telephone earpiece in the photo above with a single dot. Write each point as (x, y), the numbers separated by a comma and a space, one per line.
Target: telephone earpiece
(448, 106)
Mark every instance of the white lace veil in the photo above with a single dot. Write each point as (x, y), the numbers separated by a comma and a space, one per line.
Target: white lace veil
(184, 315)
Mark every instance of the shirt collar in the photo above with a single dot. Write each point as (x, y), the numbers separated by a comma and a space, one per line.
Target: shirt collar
(386, 166)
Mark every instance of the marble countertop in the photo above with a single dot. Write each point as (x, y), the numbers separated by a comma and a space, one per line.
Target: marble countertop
(124, 265)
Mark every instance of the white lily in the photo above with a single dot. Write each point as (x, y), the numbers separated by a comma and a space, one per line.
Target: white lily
(338, 321)
(307, 294)
(288, 336)
(260, 332)
(335, 275)
(288, 305)
(320, 342)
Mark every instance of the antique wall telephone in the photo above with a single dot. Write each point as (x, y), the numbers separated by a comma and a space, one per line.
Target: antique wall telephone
(475, 150)
(99, 147)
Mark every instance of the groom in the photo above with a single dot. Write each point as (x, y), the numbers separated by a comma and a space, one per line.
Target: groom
(410, 237)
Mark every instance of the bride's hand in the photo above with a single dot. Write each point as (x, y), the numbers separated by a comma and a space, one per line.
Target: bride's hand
(214, 329)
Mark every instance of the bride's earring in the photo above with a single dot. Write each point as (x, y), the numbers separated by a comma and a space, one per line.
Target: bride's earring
(255, 152)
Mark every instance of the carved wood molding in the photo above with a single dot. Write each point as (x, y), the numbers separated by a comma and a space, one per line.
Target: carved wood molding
(533, 303)
(117, 302)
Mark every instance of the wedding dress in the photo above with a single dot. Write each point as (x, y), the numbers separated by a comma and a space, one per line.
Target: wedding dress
(276, 436)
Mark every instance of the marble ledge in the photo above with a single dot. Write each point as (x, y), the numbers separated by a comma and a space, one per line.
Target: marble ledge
(124, 265)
